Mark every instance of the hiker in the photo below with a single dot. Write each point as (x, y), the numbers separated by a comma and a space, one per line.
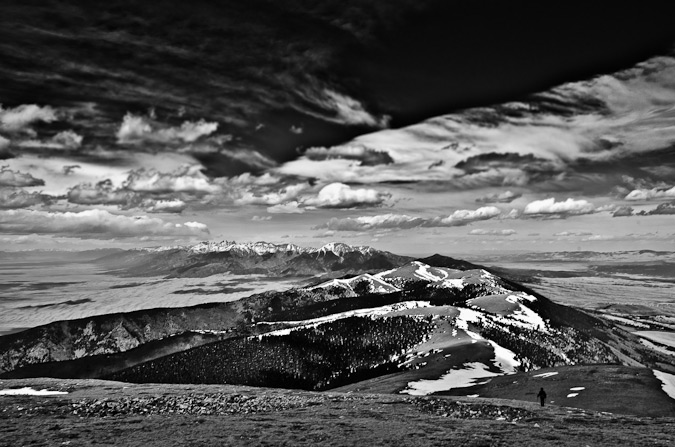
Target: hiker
(542, 396)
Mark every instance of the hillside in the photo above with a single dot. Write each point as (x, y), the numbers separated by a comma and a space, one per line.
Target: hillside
(418, 328)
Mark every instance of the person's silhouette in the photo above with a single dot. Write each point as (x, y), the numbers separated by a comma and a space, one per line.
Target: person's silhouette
(542, 396)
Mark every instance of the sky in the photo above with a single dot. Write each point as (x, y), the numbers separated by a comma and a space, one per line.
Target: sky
(417, 127)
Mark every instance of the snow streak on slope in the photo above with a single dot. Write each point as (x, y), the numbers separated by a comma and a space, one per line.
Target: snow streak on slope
(371, 312)
(376, 284)
(667, 382)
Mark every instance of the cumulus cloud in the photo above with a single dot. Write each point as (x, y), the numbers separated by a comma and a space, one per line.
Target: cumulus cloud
(366, 156)
(550, 207)
(94, 224)
(339, 195)
(261, 218)
(22, 116)
(188, 179)
(481, 232)
(285, 194)
(649, 194)
(404, 221)
(66, 140)
(286, 208)
(463, 217)
(163, 206)
(11, 198)
(662, 209)
(383, 221)
(101, 193)
(504, 197)
(137, 129)
(19, 179)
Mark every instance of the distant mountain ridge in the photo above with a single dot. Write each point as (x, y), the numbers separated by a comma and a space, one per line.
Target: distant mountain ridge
(263, 258)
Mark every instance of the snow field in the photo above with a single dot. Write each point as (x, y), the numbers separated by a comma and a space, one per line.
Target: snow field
(29, 392)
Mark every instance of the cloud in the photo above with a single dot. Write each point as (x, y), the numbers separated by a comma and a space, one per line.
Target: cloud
(19, 179)
(573, 234)
(261, 218)
(66, 140)
(285, 194)
(22, 116)
(550, 206)
(339, 195)
(664, 209)
(481, 232)
(18, 198)
(286, 208)
(383, 221)
(649, 194)
(366, 156)
(188, 179)
(623, 211)
(464, 217)
(137, 129)
(504, 197)
(403, 221)
(94, 224)
(101, 193)
(4, 143)
(163, 206)
(344, 109)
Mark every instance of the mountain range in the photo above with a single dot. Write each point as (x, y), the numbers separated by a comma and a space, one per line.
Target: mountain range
(367, 319)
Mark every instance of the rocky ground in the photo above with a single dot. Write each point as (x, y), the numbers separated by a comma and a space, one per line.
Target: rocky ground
(112, 413)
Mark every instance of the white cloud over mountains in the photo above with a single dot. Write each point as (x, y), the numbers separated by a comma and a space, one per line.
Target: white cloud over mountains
(339, 195)
(403, 221)
(18, 179)
(482, 232)
(20, 117)
(649, 194)
(138, 129)
(550, 206)
(94, 224)
(188, 179)
(101, 193)
(12, 198)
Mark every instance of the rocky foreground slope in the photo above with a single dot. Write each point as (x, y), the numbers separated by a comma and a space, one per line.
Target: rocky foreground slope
(98, 412)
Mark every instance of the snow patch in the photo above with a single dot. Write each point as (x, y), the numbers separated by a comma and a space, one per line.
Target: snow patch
(29, 392)
(572, 394)
(578, 388)
(504, 359)
(667, 382)
(455, 378)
